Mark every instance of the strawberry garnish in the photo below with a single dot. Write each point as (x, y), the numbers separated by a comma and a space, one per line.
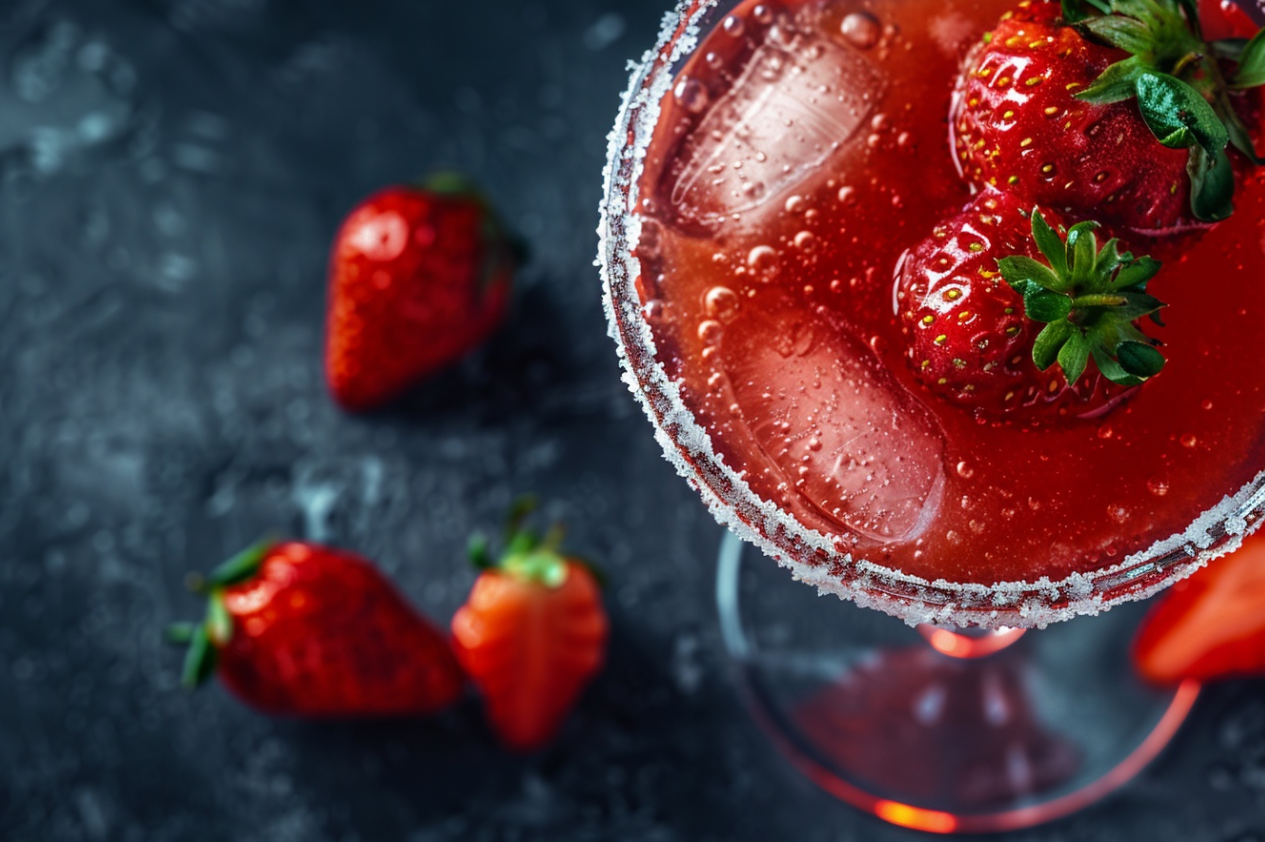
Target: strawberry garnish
(1089, 300)
(531, 635)
(974, 297)
(295, 628)
(1112, 109)
(418, 277)
(1211, 625)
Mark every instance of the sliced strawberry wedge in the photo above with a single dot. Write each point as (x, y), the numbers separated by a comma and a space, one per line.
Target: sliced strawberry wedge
(1212, 625)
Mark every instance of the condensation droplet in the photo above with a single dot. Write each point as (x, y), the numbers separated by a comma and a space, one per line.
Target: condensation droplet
(1157, 486)
(1117, 512)
(733, 26)
(762, 14)
(965, 471)
(847, 195)
(805, 241)
(861, 29)
(794, 204)
(1189, 440)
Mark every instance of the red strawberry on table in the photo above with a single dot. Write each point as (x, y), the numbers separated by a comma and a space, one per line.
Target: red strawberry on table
(1211, 625)
(1110, 109)
(294, 628)
(974, 297)
(531, 635)
(418, 276)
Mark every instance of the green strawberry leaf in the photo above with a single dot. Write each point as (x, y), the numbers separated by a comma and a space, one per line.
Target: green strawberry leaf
(1117, 83)
(1074, 356)
(199, 661)
(219, 625)
(1140, 359)
(1019, 270)
(241, 567)
(1049, 243)
(1109, 257)
(478, 552)
(1113, 371)
(1046, 347)
(1138, 304)
(1082, 252)
(1128, 34)
(1191, 10)
(1075, 11)
(1212, 185)
(1046, 306)
(1136, 273)
(1251, 70)
(179, 634)
(1178, 115)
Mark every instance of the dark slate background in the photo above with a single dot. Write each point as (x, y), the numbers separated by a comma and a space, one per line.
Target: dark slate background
(171, 172)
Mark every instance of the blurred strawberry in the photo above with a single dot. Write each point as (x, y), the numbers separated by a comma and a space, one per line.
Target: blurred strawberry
(531, 635)
(1211, 625)
(419, 276)
(294, 628)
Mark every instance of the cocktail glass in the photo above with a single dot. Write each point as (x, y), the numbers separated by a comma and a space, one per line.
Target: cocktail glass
(956, 720)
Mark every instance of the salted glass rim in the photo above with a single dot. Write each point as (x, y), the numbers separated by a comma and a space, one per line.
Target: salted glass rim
(812, 556)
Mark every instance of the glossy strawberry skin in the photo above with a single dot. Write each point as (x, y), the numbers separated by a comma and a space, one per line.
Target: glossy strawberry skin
(1211, 625)
(531, 649)
(320, 633)
(969, 341)
(1018, 126)
(416, 280)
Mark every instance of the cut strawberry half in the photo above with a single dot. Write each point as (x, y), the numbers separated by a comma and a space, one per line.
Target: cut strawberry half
(1211, 625)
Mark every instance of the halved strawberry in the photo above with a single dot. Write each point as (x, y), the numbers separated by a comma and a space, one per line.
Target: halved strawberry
(531, 635)
(1211, 625)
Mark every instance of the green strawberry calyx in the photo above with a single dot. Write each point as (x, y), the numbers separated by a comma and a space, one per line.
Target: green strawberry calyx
(1177, 79)
(204, 640)
(527, 555)
(1089, 300)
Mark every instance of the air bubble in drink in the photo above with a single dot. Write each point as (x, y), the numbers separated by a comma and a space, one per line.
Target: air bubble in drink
(691, 95)
(861, 29)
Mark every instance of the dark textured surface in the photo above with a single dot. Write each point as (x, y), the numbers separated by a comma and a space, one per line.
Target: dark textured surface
(172, 171)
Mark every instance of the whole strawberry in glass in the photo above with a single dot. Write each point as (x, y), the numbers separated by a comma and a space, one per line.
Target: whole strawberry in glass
(1009, 313)
(1112, 109)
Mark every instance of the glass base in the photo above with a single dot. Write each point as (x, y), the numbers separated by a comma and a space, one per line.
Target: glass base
(937, 730)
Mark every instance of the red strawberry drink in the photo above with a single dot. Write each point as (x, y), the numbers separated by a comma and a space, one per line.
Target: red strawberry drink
(953, 307)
